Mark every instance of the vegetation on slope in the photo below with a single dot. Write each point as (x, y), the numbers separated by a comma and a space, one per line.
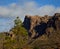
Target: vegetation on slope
(17, 38)
(20, 36)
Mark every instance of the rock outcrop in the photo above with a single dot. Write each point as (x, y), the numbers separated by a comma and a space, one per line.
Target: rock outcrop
(10, 34)
(38, 25)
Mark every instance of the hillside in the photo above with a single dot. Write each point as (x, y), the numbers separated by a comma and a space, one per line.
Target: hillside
(44, 30)
(36, 32)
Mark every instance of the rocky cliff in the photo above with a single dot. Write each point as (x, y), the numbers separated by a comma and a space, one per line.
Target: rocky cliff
(44, 33)
(39, 25)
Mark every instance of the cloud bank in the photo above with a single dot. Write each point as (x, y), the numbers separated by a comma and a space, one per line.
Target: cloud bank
(28, 8)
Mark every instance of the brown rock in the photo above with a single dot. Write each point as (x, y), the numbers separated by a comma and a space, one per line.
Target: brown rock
(31, 22)
(57, 20)
(10, 34)
(39, 25)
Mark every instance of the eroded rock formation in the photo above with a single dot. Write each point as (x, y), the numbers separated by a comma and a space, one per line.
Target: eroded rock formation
(38, 25)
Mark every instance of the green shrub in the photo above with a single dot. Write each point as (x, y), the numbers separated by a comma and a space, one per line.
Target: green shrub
(36, 48)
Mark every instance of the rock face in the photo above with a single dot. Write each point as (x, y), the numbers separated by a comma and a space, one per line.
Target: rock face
(30, 22)
(38, 25)
(57, 21)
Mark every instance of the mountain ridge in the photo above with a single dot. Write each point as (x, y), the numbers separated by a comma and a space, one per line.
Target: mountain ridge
(36, 23)
(40, 33)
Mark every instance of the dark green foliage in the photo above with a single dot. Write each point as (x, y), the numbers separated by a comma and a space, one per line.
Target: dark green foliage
(36, 48)
(21, 36)
(18, 27)
(17, 21)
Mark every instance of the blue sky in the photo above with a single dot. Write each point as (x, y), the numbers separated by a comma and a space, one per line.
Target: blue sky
(40, 2)
(9, 9)
(49, 2)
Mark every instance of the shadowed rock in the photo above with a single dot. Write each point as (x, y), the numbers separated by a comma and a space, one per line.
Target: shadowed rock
(37, 25)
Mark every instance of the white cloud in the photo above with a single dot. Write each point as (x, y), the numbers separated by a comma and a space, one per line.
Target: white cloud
(30, 8)
(27, 8)
(13, 5)
(46, 10)
(58, 10)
